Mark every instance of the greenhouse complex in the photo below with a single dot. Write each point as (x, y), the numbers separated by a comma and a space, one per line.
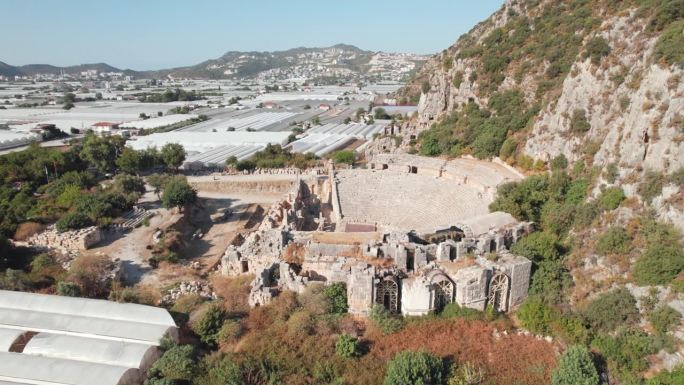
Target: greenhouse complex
(48, 339)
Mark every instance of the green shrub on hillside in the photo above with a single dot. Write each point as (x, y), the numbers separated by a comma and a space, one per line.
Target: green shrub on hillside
(538, 247)
(612, 172)
(536, 316)
(415, 368)
(453, 310)
(550, 281)
(614, 241)
(585, 214)
(651, 185)
(666, 12)
(664, 319)
(73, 220)
(68, 289)
(209, 324)
(559, 163)
(558, 218)
(578, 122)
(525, 199)
(347, 157)
(677, 177)
(458, 79)
(659, 265)
(336, 296)
(626, 353)
(611, 198)
(577, 191)
(177, 363)
(576, 367)
(384, 320)
(596, 48)
(610, 310)
(675, 377)
(219, 369)
(347, 346)
(508, 148)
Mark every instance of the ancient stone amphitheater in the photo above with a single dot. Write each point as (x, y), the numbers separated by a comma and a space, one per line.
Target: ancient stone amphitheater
(401, 194)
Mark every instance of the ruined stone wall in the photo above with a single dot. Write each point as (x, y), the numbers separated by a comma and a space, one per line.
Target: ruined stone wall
(245, 186)
(520, 282)
(68, 242)
(360, 291)
(335, 199)
(415, 296)
(326, 269)
(471, 287)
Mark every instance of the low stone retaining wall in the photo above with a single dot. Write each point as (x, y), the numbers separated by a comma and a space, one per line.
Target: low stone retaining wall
(68, 242)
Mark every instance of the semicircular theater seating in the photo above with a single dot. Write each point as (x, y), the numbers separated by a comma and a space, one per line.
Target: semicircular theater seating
(407, 201)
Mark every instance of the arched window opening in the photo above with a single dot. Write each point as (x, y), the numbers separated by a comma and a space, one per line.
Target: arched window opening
(387, 295)
(498, 292)
(443, 294)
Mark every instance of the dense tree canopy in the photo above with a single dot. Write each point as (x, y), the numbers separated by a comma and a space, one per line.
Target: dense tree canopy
(173, 155)
(178, 193)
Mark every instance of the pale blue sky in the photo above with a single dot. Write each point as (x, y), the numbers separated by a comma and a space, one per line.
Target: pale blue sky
(155, 34)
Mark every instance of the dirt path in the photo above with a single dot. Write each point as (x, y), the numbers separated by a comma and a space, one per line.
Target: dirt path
(130, 248)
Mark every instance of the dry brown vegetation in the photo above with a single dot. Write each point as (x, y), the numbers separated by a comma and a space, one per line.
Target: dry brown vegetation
(233, 291)
(27, 229)
(510, 359)
(294, 336)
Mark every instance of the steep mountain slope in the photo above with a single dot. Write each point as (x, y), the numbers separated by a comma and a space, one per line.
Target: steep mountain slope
(600, 81)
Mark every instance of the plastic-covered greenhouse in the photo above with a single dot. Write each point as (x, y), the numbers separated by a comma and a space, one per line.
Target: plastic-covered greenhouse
(47, 339)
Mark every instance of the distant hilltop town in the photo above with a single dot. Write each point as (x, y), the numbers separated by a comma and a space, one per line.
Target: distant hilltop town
(331, 65)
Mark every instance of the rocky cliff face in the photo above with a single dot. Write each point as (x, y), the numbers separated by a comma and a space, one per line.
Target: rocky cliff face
(605, 80)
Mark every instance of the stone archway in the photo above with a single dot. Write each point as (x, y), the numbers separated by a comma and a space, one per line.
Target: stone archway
(442, 293)
(498, 292)
(387, 294)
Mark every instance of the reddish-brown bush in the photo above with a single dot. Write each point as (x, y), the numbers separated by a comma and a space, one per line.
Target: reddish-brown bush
(26, 230)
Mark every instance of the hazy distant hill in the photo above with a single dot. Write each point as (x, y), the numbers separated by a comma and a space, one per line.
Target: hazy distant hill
(35, 69)
(234, 64)
(340, 59)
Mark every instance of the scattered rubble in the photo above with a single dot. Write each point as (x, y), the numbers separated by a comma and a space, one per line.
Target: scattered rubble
(202, 289)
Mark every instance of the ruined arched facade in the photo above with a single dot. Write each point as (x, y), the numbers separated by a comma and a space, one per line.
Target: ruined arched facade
(387, 294)
(499, 287)
(442, 291)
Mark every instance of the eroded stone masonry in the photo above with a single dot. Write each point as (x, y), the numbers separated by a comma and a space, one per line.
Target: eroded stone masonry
(408, 233)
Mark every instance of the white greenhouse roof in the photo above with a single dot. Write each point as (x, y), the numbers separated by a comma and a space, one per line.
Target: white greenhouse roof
(19, 368)
(330, 137)
(88, 317)
(242, 122)
(217, 157)
(8, 337)
(204, 141)
(160, 121)
(77, 341)
(108, 352)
